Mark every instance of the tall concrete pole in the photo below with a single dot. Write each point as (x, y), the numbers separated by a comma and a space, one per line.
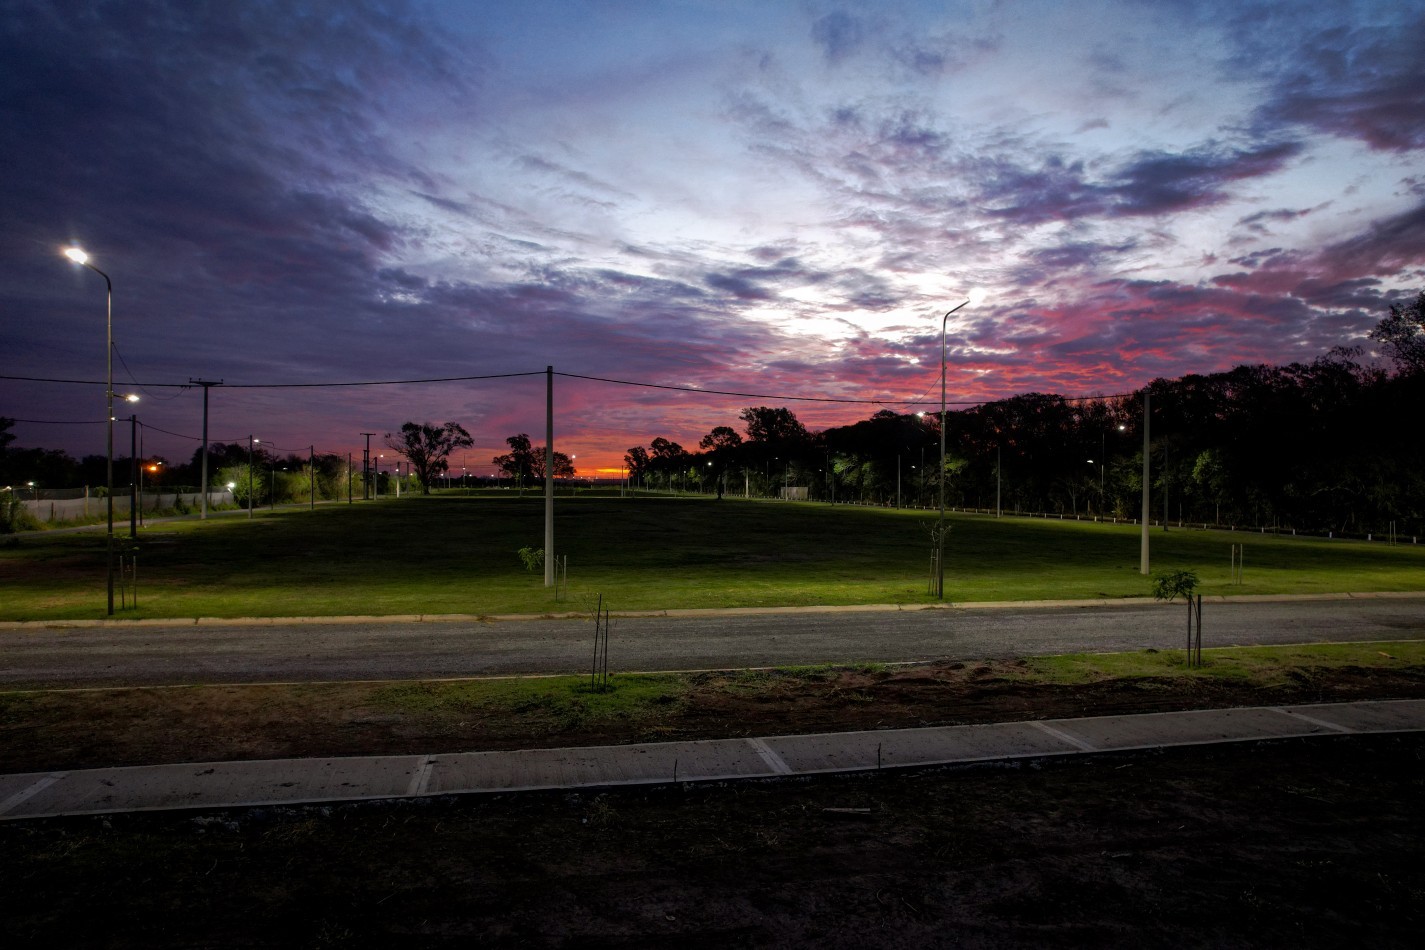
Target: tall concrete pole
(1143, 554)
(366, 467)
(134, 500)
(206, 384)
(549, 476)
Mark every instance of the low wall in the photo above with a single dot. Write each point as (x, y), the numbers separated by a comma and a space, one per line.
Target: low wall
(75, 509)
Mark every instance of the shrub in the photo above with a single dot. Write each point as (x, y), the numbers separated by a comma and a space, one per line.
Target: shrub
(1168, 585)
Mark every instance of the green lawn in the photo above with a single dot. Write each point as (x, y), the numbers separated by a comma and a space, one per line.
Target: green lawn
(457, 554)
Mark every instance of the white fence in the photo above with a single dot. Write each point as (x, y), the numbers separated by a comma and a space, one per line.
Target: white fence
(76, 509)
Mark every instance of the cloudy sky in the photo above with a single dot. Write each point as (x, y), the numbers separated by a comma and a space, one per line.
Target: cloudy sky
(780, 198)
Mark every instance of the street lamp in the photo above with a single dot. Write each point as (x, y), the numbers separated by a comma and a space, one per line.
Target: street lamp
(272, 489)
(251, 441)
(1102, 462)
(78, 256)
(154, 470)
(975, 296)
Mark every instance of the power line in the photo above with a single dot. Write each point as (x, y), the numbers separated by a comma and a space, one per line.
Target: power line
(377, 382)
(921, 401)
(61, 422)
(140, 385)
(720, 392)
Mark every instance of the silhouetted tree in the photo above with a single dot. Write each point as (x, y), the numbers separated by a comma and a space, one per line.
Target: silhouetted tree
(637, 461)
(427, 447)
(1403, 333)
(774, 426)
(518, 462)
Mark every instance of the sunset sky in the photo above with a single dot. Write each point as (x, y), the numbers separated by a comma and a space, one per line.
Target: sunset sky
(779, 198)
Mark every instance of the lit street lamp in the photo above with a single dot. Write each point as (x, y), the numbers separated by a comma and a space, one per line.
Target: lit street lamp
(974, 297)
(251, 441)
(79, 257)
(153, 469)
(1102, 462)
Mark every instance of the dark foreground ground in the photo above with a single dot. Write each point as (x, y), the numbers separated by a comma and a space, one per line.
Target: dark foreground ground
(1298, 843)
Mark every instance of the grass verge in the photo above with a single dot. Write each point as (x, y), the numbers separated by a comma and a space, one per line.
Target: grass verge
(58, 729)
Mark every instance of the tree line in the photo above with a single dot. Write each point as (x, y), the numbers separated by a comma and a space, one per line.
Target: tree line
(1331, 444)
(1328, 445)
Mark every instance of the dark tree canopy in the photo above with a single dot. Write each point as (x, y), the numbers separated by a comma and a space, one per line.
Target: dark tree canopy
(427, 447)
(524, 462)
(637, 461)
(1403, 333)
(518, 463)
(721, 437)
(774, 426)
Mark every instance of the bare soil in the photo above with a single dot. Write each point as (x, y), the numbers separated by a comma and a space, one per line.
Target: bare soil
(1300, 843)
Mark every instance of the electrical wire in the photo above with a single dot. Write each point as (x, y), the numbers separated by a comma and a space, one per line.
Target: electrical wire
(598, 379)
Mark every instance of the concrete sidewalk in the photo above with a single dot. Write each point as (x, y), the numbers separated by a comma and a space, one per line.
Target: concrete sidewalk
(304, 781)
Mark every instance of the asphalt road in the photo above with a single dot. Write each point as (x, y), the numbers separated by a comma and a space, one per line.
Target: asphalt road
(116, 655)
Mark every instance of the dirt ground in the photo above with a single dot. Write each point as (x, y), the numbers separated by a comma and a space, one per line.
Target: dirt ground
(1301, 843)
(1296, 843)
(65, 730)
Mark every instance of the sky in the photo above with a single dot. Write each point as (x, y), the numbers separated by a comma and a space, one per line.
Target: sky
(779, 199)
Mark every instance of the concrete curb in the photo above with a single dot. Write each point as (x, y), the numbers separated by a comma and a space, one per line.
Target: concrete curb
(374, 619)
(308, 781)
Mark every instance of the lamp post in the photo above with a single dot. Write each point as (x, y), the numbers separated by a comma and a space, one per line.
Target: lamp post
(1102, 462)
(135, 478)
(251, 441)
(975, 296)
(154, 470)
(78, 256)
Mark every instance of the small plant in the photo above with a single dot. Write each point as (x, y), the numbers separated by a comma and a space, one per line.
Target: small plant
(13, 514)
(1168, 585)
(533, 558)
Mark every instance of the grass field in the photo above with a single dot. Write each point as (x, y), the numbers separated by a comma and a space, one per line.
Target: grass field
(457, 554)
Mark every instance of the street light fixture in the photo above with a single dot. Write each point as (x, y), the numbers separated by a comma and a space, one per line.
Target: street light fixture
(78, 256)
(154, 470)
(251, 441)
(1102, 462)
(974, 297)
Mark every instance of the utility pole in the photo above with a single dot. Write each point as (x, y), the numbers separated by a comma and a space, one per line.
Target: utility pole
(1143, 554)
(549, 476)
(366, 466)
(999, 509)
(206, 384)
(312, 473)
(134, 500)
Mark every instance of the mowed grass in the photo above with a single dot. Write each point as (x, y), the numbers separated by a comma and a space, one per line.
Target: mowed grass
(458, 554)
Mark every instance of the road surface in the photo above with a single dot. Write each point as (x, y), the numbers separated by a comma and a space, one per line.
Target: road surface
(302, 652)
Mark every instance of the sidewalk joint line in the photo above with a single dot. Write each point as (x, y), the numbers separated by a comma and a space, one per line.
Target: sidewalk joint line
(27, 793)
(421, 776)
(1081, 744)
(1325, 724)
(773, 760)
